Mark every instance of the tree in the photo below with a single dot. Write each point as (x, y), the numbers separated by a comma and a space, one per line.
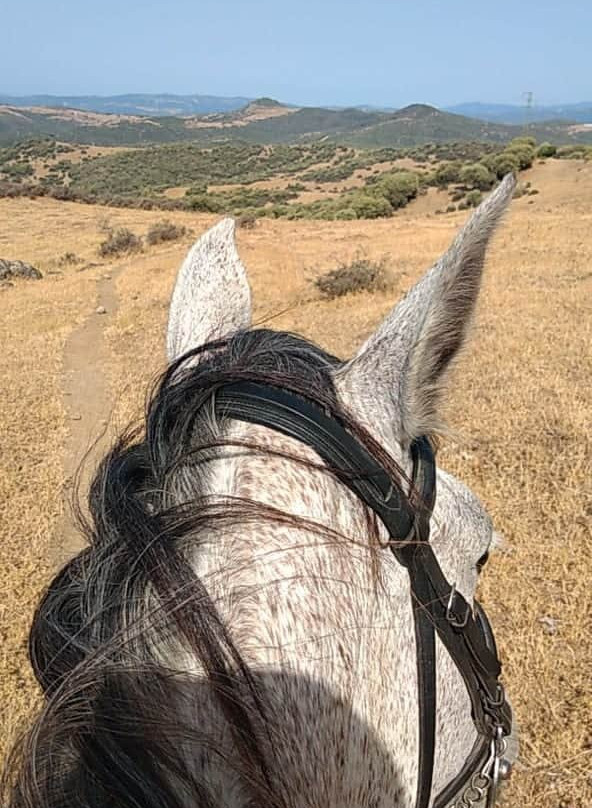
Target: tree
(546, 150)
(397, 188)
(447, 173)
(524, 154)
(505, 163)
(477, 176)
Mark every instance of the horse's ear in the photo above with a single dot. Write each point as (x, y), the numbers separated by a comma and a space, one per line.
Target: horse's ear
(211, 298)
(405, 362)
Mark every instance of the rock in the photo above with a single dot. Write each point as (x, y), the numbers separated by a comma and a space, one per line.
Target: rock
(101, 310)
(550, 624)
(18, 269)
(76, 417)
(6, 284)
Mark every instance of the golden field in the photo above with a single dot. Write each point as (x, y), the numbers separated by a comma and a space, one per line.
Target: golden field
(520, 406)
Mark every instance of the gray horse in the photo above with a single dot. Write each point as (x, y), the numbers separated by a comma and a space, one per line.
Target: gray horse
(238, 633)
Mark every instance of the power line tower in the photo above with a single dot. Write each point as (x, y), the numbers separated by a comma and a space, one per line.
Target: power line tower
(528, 97)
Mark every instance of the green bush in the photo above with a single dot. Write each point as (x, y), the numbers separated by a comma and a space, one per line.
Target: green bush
(447, 173)
(574, 152)
(523, 153)
(505, 163)
(474, 198)
(165, 231)
(360, 274)
(523, 140)
(118, 242)
(366, 206)
(397, 188)
(546, 150)
(346, 214)
(477, 176)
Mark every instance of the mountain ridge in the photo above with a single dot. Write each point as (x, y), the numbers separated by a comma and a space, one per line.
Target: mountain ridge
(580, 112)
(265, 120)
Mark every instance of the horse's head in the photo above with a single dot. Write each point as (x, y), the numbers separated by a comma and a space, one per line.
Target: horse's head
(393, 386)
(239, 615)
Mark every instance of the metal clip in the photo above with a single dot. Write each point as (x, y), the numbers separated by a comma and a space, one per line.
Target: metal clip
(452, 618)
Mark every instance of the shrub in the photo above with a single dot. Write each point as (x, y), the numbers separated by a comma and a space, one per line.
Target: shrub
(206, 203)
(447, 173)
(474, 198)
(523, 153)
(247, 220)
(546, 150)
(360, 274)
(397, 188)
(370, 207)
(68, 258)
(574, 152)
(451, 209)
(523, 140)
(505, 163)
(346, 214)
(477, 176)
(119, 241)
(165, 230)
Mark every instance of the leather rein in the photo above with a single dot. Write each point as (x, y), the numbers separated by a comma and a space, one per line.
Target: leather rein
(439, 609)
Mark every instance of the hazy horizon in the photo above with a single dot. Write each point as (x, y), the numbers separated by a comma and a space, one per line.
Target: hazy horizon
(466, 101)
(331, 54)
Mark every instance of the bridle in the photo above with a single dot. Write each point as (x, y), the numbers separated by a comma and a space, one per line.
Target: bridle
(438, 607)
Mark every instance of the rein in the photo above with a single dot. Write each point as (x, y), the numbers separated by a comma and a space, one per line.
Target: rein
(438, 607)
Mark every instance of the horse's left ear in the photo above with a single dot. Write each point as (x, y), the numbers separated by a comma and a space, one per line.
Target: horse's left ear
(402, 368)
(211, 298)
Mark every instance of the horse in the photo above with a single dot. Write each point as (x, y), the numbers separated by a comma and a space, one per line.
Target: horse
(276, 603)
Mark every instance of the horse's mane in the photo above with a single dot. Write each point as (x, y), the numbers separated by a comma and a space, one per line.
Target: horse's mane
(118, 721)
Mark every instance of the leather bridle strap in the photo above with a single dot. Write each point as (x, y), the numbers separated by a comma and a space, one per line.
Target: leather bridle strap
(438, 607)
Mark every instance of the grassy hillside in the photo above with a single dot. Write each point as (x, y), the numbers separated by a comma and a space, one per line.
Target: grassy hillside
(273, 123)
(419, 124)
(316, 179)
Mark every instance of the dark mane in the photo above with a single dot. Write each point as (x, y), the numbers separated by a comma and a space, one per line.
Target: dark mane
(117, 721)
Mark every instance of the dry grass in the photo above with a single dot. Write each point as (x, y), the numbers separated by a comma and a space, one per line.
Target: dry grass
(521, 399)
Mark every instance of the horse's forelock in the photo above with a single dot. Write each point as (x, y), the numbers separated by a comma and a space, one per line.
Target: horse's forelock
(112, 710)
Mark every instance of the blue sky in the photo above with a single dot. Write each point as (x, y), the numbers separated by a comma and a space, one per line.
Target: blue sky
(382, 52)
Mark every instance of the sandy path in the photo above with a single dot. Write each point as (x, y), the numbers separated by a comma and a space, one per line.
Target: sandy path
(88, 405)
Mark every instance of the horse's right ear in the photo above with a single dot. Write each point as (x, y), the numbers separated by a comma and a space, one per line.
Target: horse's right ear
(211, 298)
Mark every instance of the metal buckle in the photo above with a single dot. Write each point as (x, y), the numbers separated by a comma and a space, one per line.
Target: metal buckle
(452, 618)
(501, 697)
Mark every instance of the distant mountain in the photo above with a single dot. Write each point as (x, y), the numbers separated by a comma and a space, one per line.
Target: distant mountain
(169, 104)
(268, 121)
(133, 104)
(507, 113)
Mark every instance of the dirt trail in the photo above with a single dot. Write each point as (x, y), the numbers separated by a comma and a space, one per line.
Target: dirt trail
(88, 405)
